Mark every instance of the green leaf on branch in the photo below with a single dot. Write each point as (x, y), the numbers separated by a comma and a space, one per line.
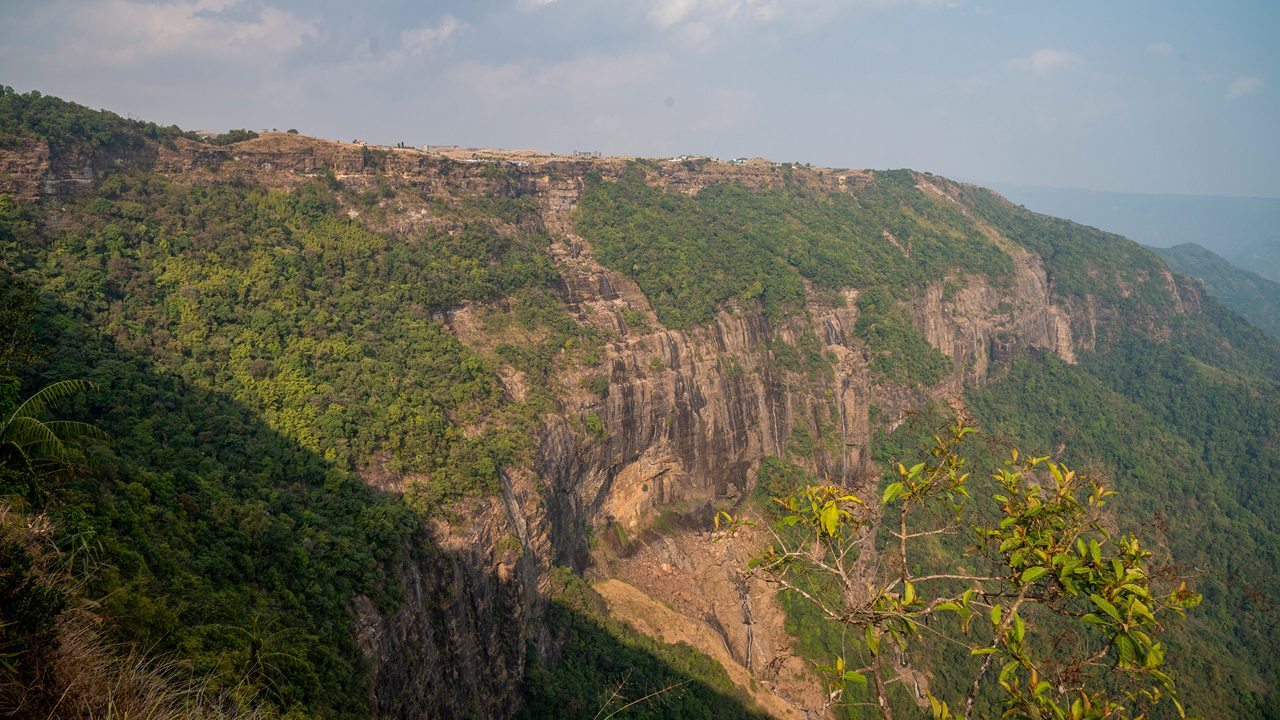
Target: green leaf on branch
(891, 493)
(855, 676)
(829, 517)
(873, 640)
(1032, 574)
(1104, 605)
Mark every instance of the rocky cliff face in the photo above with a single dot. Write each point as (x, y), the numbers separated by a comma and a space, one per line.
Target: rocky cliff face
(456, 645)
(687, 416)
(690, 414)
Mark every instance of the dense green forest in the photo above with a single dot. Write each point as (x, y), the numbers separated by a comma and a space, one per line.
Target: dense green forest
(254, 350)
(1192, 450)
(212, 534)
(1182, 412)
(692, 254)
(259, 353)
(1181, 409)
(319, 323)
(1194, 457)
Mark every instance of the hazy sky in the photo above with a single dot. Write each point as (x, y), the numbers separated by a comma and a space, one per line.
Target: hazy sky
(1134, 96)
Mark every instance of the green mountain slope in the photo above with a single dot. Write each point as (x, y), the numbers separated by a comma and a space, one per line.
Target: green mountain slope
(1181, 409)
(1254, 297)
(1184, 414)
(323, 367)
(255, 350)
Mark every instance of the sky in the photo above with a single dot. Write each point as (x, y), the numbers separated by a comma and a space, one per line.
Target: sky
(1131, 96)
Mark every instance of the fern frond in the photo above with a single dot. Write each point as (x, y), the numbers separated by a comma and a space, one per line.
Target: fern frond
(47, 396)
(29, 433)
(72, 431)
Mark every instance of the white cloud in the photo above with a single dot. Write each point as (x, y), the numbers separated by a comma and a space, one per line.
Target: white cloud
(127, 34)
(1160, 48)
(1247, 85)
(669, 13)
(695, 22)
(420, 41)
(530, 5)
(1045, 60)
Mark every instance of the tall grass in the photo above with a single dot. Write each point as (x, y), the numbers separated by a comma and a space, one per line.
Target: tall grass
(74, 672)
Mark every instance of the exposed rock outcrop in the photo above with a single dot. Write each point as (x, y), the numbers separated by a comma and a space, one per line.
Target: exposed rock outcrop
(690, 414)
(456, 644)
(687, 416)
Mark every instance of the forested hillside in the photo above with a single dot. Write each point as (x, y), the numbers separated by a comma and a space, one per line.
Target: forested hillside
(254, 349)
(1250, 295)
(375, 414)
(1181, 408)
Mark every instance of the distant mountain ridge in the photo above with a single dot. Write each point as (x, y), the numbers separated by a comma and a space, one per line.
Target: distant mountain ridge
(1252, 296)
(1243, 230)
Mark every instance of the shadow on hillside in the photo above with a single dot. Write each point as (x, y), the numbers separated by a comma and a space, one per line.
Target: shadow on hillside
(229, 546)
(605, 667)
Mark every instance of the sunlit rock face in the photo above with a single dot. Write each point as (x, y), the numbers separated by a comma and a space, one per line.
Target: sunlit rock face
(684, 418)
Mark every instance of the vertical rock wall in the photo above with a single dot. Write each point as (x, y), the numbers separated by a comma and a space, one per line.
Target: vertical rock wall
(688, 415)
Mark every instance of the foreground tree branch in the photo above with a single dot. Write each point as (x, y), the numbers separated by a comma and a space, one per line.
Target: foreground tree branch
(1064, 608)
